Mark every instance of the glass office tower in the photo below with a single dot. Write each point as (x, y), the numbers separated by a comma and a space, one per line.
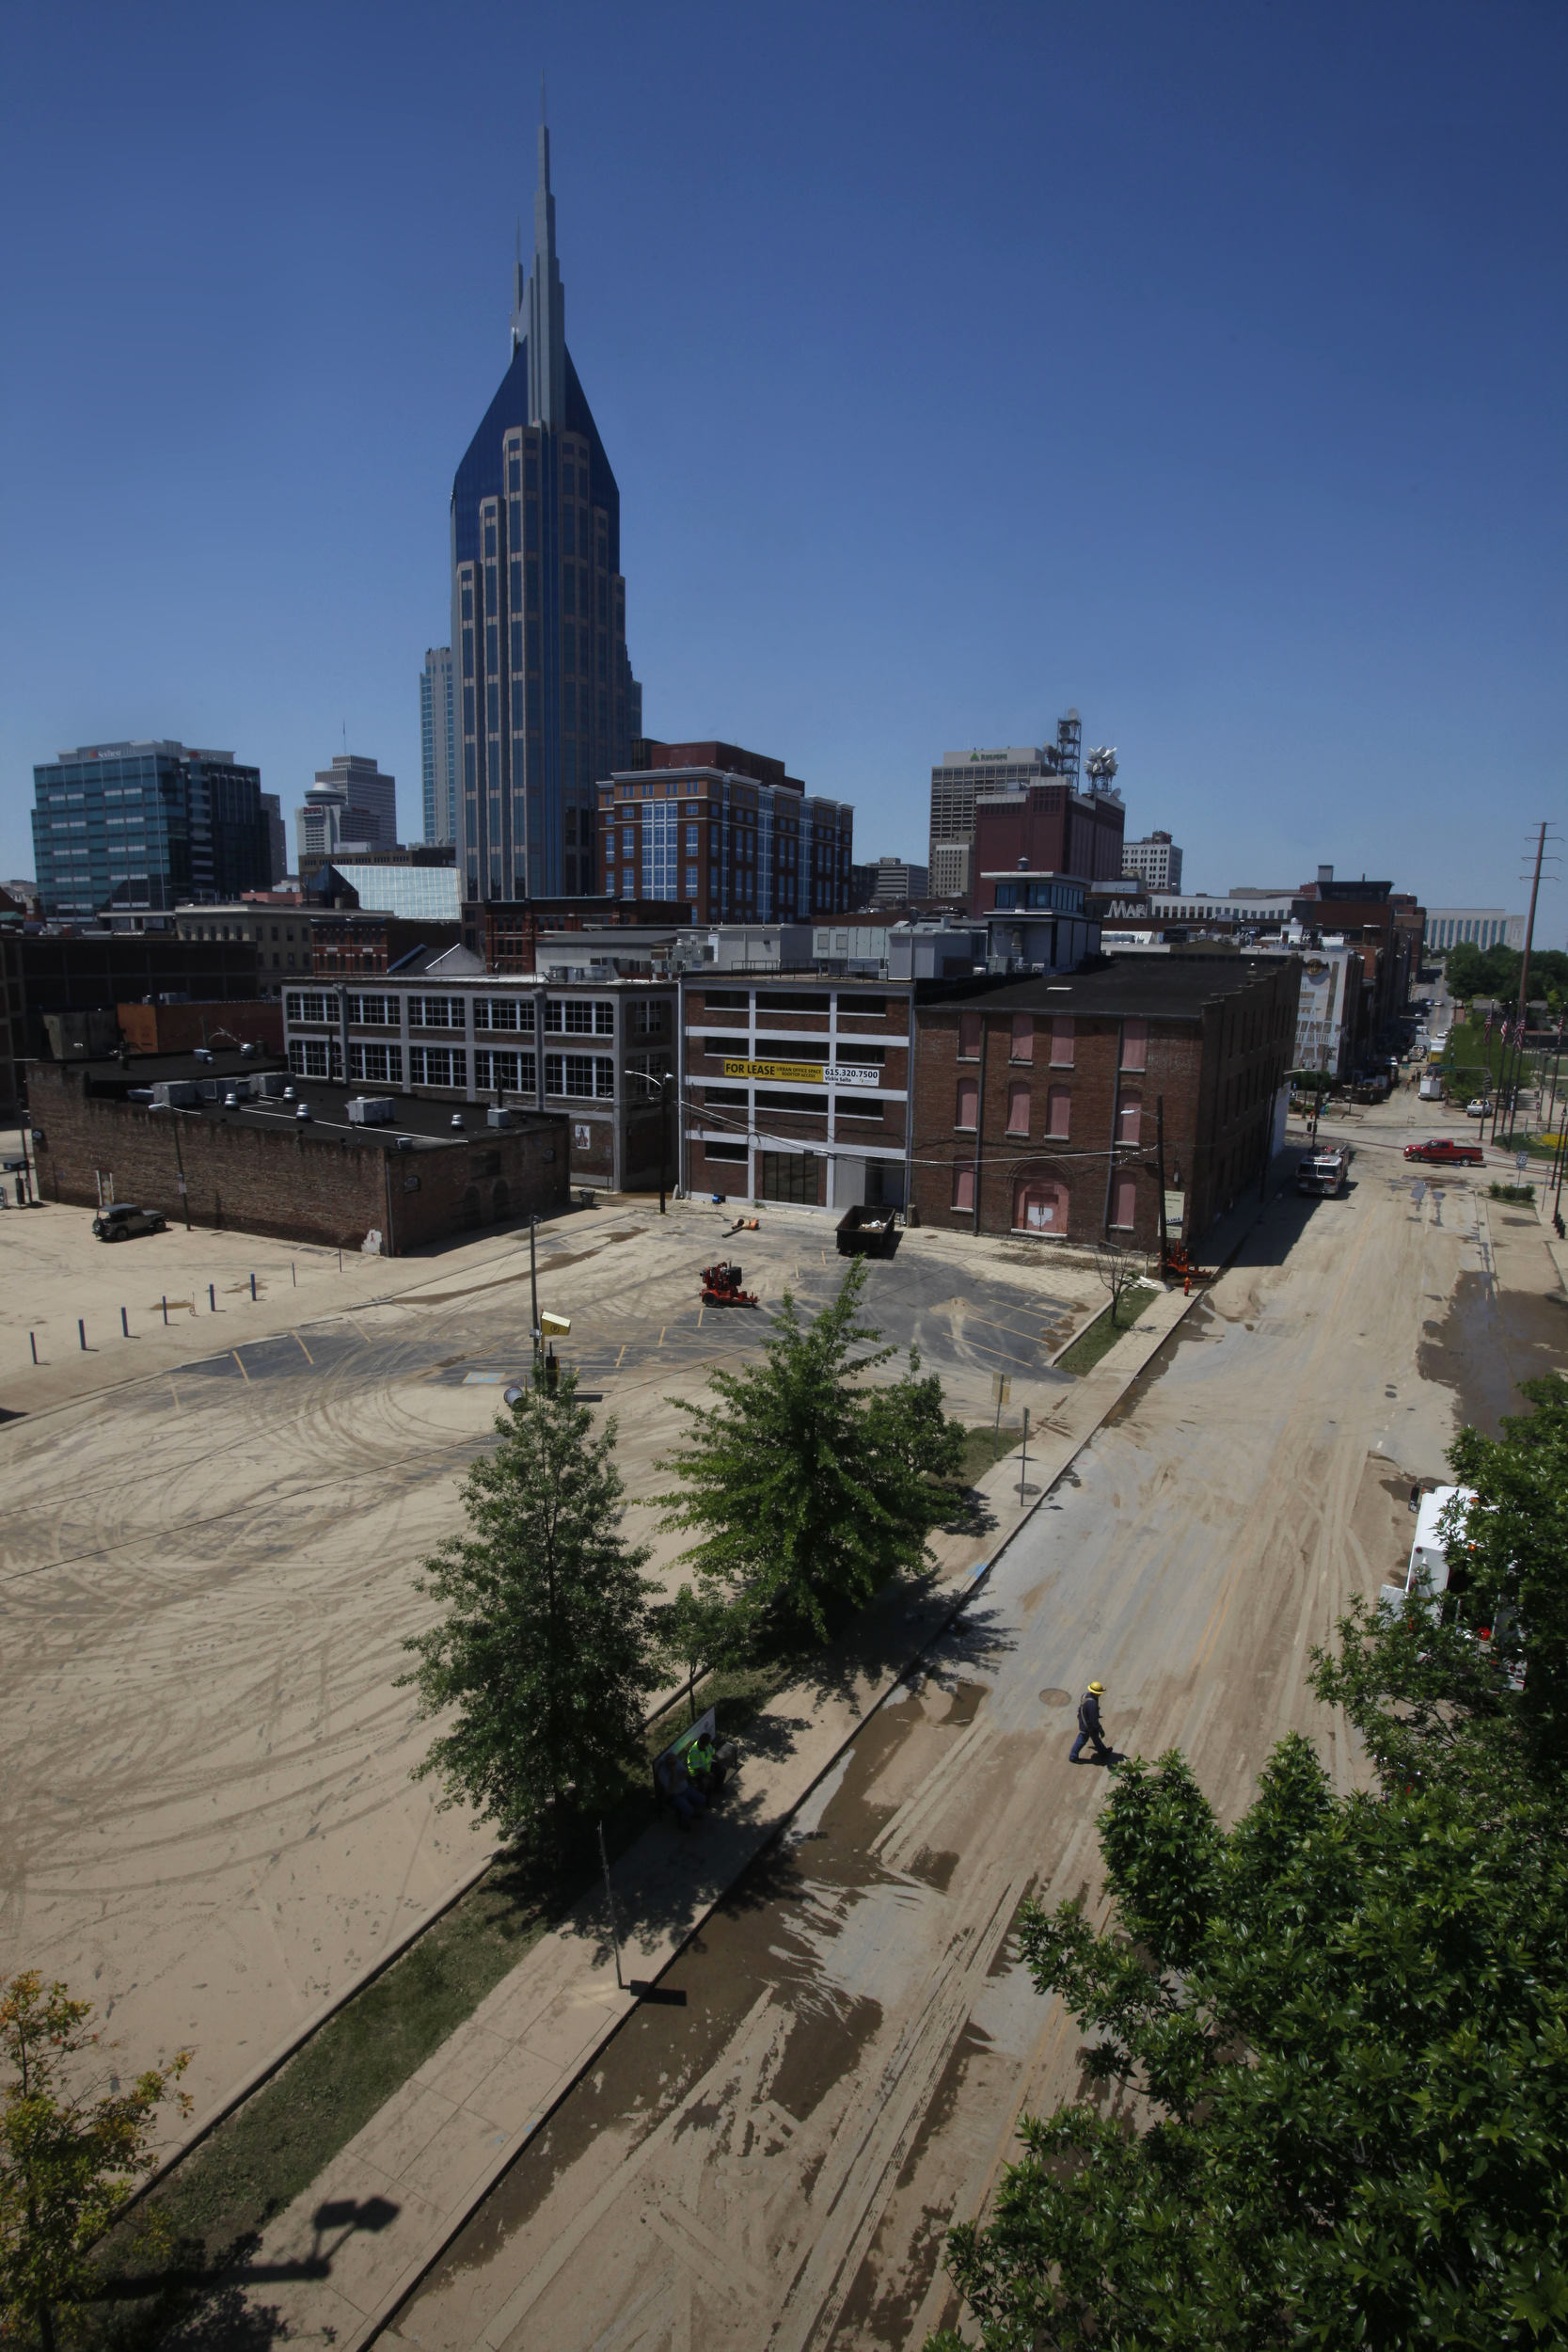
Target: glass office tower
(139, 827)
(546, 702)
(439, 745)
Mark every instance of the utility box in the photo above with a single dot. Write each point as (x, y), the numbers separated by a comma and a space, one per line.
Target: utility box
(172, 1094)
(371, 1110)
(498, 1116)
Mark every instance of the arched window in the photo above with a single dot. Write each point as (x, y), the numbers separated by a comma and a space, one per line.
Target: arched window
(1058, 1113)
(1018, 1110)
(1130, 1116)
(963, 1185)
(967, 1112)
(969, 1037)
(1061, 1042)
(1040, 1205)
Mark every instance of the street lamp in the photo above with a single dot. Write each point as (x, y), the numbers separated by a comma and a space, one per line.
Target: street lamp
(663, 1084)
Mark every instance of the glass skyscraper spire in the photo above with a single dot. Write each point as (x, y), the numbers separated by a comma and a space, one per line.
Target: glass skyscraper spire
(547, 703)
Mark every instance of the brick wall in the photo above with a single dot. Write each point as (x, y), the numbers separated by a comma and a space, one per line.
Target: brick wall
(295, 1185)
(1215, 1071)
(180, 1029)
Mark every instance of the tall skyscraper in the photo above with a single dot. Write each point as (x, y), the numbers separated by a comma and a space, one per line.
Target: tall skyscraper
(547, 702)
(350, 802)
(439, 745)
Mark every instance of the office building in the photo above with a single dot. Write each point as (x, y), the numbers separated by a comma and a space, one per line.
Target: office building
(439, 745)
(888, 882)
(277, 836)
(546, 702)
(118, 827)
(962, 776)
(726, 831)
(350, 806)
(1155, 860)
(1472, 927)
(1031, 836)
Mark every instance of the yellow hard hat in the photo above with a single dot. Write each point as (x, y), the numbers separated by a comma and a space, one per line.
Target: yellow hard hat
(1098, 1688)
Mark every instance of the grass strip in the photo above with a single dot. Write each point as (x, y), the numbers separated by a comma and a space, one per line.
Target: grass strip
(1100, 1336)
(165, 2261)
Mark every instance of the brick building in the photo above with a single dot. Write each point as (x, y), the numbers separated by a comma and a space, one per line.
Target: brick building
(795, 1087)
(1029, 836)
(1034, 1101)
(254, 1166)
(727, 830)
(81, 977)
(181, 1028)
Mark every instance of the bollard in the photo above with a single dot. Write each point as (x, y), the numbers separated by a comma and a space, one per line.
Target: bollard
(213, 1297)
(339, 1261)
(294, 1274)
(33, 1343)
(253, 1290)
(124, 1325)
(166, 1309)
(82, 1333)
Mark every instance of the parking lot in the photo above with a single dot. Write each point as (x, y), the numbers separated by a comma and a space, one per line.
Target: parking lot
(207, 1570)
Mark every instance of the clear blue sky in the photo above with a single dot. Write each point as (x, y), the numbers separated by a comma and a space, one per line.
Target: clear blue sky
(1201, 366)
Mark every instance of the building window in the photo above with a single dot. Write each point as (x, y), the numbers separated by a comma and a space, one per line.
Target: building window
(1130, 1116)
(1023, 1047)
(372, 1012)
(963, 1187)
(1135, 1046)
(375, 1065)
(504, 1072)
(573, 1074)
(437, 1065)
(1058, 1113)
(966, 1112)
(1124, 1203)
(1018, 1110)
(308, 1057)
(969, 1037)
(1039, 1206)
(790, 1176)
(1061, 1040)
(724, 1151)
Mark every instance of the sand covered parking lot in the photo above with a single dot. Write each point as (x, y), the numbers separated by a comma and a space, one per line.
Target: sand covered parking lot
(209, 1541)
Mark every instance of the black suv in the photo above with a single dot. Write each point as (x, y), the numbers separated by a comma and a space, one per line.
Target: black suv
(120, 1219)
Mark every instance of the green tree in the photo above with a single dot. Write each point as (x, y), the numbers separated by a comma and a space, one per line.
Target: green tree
(69, 2159)
(1347, 2020)
(542, 1648)
(809, 1489)
(695, 1634)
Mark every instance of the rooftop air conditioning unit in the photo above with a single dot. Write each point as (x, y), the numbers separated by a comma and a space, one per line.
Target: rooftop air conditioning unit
(498, 1116)
(371, 1110)
(175, 1094)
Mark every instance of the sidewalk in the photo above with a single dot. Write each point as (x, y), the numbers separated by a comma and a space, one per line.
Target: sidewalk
(403, 2188)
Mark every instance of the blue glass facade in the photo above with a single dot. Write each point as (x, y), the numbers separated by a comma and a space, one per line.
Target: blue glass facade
(545, 704)
(439, 746)
(145, 826)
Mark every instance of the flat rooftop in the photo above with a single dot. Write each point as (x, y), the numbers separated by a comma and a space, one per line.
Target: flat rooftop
(1176, 989)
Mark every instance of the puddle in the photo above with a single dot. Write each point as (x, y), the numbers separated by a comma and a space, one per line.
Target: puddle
(1490, 1340)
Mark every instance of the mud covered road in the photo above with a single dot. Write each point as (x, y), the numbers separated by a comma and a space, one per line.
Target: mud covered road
(768, 2154)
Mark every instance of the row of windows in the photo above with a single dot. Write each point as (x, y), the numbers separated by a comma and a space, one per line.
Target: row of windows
(1135, 1041)
(1041, 1205)
(1058, 1111)
(570, 1016)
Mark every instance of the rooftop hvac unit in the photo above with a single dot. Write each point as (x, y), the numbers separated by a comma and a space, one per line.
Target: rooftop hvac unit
(498, 1116)
(272, 1081)
(371, 1110)
(175, 1094)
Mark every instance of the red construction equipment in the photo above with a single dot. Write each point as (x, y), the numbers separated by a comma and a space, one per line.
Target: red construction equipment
(722, 1287)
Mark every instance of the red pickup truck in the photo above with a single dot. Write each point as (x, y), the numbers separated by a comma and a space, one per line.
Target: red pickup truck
(1445, 1152)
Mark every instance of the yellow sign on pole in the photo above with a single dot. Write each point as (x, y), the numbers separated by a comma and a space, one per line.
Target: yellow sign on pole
(777, 1073)
(555, 1327)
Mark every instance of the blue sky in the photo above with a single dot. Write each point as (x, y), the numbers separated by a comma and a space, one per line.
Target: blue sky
(1202, 367)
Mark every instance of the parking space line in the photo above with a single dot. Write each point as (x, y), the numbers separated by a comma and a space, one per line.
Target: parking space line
(304, 1350)
(239, 1361)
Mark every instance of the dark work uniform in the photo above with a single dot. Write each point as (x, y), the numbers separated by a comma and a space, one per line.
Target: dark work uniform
(1088, 1730)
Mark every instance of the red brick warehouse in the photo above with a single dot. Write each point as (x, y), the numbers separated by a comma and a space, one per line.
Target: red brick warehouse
(1035, 1108)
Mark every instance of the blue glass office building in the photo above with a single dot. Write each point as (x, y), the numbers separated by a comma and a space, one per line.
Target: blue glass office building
(546, 701)
(132, 827)
(439, 745)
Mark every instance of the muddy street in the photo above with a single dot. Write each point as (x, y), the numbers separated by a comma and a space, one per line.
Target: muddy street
(769, 2153)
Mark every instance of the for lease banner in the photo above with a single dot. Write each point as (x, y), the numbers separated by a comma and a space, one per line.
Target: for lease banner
(812, 1073)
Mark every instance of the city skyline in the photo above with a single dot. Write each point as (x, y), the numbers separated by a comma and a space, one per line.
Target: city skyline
(1276, 516)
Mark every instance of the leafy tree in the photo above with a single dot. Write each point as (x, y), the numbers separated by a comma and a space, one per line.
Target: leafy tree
(695, 1634)
(809, 1490)
(68, 2159)
(544, 1646)
(1349, 2021)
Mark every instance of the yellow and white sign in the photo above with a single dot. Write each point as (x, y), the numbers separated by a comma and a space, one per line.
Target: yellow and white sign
(806, 1074)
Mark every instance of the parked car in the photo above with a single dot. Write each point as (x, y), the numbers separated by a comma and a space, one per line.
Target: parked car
(1444, 1153)
(1479, 1109)
(121, 1218)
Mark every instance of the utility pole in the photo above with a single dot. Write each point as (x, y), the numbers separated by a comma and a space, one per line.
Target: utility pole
(533, 1285)
(1160, 1156)
(1524, 967)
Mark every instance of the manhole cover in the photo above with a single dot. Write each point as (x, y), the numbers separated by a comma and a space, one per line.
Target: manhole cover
(1056, 1698)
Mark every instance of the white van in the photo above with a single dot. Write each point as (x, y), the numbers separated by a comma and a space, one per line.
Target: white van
(1427, 1577)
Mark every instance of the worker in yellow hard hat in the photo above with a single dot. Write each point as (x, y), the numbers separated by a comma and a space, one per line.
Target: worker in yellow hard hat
(1088, 1727)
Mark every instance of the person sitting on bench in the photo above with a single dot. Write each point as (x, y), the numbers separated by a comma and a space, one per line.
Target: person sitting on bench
(708, 1766)
(674, 1785)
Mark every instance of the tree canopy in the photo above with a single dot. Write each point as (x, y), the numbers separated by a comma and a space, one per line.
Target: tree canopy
(1473, 971)
(543, 1650)
(69, 2159)
(1345, 2019)
(807, 1487)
